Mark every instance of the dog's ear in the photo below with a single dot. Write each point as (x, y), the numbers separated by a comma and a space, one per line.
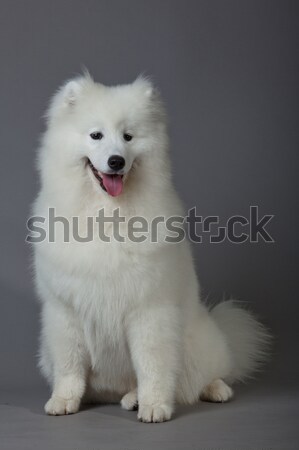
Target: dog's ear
(149, 90)
(71, 91)
(150, 98)
(68, 95)
(72, 88)
(146, 86)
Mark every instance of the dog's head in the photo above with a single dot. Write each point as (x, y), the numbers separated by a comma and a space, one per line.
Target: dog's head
(106, 130)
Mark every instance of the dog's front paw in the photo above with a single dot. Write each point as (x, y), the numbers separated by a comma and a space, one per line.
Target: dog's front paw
(58, 406)
(154, 413)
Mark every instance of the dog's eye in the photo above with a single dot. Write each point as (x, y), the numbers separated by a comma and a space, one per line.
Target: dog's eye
(127, 137)
(97, 135)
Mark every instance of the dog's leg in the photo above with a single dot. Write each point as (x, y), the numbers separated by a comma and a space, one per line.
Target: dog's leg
(64, 341)
(154, 346)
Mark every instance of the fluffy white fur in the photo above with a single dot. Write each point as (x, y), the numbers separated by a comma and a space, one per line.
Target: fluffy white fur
(124, 321)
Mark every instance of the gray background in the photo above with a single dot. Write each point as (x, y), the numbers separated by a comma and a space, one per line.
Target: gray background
(228, 71)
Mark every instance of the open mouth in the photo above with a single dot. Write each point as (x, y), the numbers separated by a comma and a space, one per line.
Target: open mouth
(112, 183)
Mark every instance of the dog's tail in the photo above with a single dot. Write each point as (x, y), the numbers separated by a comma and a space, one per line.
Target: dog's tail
(248, 339)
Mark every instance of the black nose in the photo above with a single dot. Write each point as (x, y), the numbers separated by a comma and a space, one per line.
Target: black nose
(116, 162)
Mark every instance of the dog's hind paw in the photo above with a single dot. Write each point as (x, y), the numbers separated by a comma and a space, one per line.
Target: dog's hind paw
(129, 401)
(217, 391)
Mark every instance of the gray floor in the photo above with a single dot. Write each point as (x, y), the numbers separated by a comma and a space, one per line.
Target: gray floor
(261, 417)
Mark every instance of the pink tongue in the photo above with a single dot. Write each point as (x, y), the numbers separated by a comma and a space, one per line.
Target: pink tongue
(113, 184)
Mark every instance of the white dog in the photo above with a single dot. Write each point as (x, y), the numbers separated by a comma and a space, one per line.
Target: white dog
(123, 321)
